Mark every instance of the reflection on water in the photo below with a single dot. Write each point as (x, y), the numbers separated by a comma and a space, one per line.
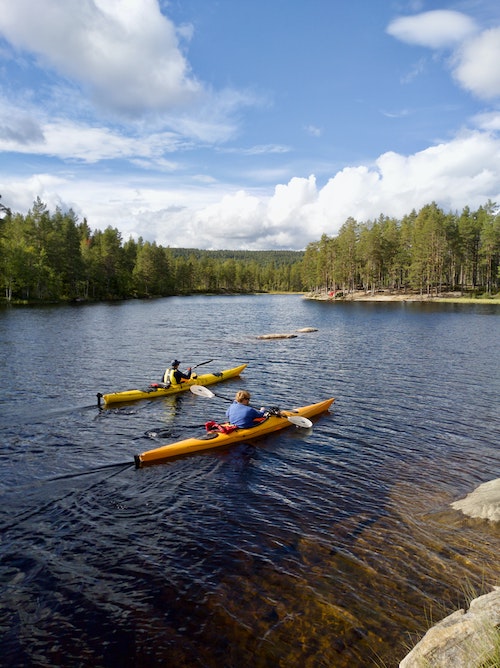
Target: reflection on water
(335, 546)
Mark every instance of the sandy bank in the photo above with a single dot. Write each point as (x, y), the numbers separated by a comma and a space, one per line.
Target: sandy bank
(388, 296)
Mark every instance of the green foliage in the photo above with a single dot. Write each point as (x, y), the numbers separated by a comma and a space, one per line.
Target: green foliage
(47, 257)
(427, 251)
(52, 257)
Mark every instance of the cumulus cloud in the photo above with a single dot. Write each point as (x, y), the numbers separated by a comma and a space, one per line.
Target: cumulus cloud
(436, 29)
(477, 64)
(125, 52)
(288, 200)
(238, 217)
(463, 172)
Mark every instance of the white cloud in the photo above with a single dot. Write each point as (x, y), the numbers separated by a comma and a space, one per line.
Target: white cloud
(462, 172)
(477, 64)
(288, 200)
(124, 51)
(489, 121)
(23, 132)
(102, 59)
(21, 193)
(436, 29)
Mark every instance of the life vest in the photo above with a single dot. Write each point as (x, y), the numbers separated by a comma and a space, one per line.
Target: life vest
(169, 378)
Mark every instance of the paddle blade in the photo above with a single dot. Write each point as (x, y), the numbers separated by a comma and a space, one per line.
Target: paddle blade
(202, 391)
(300, 421)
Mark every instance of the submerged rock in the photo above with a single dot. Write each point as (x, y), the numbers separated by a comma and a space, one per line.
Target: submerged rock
(461, 640)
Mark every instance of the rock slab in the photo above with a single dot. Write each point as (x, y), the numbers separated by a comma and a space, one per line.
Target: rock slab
(461, 640)
(483, 502)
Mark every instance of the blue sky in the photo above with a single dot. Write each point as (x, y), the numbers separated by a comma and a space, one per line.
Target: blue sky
(257, 124)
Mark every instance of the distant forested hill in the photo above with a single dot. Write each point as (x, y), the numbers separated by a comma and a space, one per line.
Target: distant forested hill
(278, 257)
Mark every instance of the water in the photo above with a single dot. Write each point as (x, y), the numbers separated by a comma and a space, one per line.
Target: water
(335, 546)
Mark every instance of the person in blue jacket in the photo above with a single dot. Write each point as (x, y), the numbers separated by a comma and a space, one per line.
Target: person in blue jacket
(241, 414)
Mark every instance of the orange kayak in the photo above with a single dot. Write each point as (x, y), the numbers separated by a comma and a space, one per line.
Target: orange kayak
(217, 439)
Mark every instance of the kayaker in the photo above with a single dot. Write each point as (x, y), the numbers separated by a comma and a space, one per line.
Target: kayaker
(174, 376)
(241, 414)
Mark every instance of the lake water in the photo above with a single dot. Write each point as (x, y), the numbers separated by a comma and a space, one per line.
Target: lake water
(334, 546)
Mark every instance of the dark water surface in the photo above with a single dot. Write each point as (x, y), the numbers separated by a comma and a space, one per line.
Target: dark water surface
(335, 546)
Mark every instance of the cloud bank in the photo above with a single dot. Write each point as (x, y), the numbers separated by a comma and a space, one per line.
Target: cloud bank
(462, 172)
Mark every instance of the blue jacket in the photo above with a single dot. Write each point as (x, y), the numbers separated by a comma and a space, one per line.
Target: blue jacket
(243, 416)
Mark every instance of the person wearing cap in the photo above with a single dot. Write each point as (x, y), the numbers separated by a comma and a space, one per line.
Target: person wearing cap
(174, 376)
(241, 414)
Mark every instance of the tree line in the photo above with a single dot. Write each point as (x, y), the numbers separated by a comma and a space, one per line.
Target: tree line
(53, 256)
(428, 251)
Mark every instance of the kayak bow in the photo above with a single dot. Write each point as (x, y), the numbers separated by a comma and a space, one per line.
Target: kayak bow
(218, 439)
(153, 392)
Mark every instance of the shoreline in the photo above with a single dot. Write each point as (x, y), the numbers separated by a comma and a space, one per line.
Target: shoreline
(382, 296)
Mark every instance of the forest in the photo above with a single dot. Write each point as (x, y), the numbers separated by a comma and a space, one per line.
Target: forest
(54, 257)
(51, 257)
(426, 252)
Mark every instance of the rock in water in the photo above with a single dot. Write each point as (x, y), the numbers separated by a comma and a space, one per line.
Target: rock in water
(461, 640)
(277, 336)
(483, 502)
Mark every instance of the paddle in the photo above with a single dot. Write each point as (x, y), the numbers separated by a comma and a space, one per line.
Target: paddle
(203, 391)
(200, 364)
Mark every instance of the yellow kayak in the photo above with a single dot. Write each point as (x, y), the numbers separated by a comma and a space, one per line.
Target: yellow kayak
(218, 439)
(153, 392)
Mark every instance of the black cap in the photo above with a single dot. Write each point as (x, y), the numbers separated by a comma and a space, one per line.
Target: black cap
(175, 363)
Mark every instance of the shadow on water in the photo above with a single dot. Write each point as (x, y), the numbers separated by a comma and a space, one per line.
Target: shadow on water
(36, 494)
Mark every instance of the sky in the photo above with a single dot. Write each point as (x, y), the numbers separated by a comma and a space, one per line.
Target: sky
(248, 124)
